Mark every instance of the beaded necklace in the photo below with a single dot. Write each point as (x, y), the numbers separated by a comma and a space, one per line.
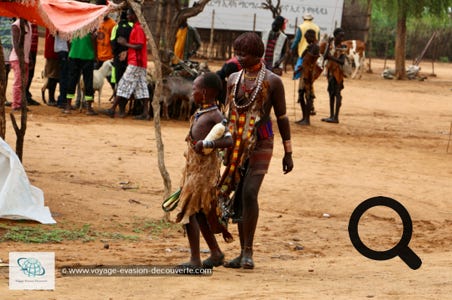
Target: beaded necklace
(203, 110)
(254, 90)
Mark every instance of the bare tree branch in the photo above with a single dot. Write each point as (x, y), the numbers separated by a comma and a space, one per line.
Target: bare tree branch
(184, 14)
(155, 101)
(276, 10)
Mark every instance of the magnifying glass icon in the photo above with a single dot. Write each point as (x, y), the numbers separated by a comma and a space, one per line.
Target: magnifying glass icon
(401, 249)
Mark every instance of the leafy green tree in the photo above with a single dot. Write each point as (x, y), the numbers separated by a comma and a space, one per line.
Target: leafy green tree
(401, 10)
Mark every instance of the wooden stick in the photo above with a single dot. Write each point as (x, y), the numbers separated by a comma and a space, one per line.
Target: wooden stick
(294, 102)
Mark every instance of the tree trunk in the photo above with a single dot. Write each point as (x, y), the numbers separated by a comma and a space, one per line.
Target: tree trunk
(2, 93)
(20, 132)
(367, 34)
(158, 29)
(400, 45)
(155, 101)
(169, 40)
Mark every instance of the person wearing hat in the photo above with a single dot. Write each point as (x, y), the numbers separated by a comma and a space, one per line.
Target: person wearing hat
(275, 42)
(297, 47)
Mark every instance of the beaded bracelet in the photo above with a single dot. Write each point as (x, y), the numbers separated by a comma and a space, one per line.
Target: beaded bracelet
(208, 144)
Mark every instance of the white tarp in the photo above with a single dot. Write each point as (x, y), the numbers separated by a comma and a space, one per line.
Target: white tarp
(239, 14)
(18, 198)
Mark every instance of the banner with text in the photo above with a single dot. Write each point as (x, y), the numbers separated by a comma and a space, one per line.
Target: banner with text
(247, 15)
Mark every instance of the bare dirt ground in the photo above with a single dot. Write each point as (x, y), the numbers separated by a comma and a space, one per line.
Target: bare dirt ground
(391, 141)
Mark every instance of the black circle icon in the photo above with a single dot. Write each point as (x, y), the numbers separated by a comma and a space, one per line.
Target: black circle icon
(401, 249)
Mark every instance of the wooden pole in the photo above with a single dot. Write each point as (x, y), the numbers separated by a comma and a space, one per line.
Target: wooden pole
(434, 55)
(158, 28)
(386, 54)
(368, 36)
(254, 23)
(212, 26)
(420, 57)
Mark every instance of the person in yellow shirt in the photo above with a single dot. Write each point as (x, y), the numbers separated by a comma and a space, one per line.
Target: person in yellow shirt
(187, 42)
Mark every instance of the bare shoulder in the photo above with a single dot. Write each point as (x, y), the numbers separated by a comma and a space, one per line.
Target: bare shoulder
(217, 116)
(232, 78)
(274, 79)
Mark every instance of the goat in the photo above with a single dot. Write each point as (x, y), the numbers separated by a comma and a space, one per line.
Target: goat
(177, 97)
(356, 51)
(98, 80)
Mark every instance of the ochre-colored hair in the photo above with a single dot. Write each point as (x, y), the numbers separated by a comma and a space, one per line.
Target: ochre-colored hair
(212, 80)
(250, 43)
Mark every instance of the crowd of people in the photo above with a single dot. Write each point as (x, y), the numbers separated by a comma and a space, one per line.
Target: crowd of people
(123, 43)
(67, 62)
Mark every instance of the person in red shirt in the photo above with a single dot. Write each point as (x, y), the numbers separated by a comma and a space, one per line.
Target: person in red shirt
(134, 79)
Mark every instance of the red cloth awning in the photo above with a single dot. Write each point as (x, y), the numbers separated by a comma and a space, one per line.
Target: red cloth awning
(70, 18)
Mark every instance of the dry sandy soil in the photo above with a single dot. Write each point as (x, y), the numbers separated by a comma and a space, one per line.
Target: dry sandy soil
(391, 141)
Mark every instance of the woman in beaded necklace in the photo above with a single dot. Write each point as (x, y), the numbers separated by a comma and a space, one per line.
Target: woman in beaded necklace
(251, 94)
(197, 202)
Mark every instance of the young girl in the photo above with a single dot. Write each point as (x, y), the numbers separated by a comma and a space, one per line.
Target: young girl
(198, 187)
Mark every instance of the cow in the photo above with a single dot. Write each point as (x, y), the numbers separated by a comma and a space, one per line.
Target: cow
(356, 51)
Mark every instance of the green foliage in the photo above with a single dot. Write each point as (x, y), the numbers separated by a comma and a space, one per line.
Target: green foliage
(53, 234)
(382, 33)
(413, 8)
(46, 234)
(154, 227)
(37, 234)
(424, 18)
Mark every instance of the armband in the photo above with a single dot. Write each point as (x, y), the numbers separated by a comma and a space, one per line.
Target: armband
(287, 146)
(208, 144)
(282, 117)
